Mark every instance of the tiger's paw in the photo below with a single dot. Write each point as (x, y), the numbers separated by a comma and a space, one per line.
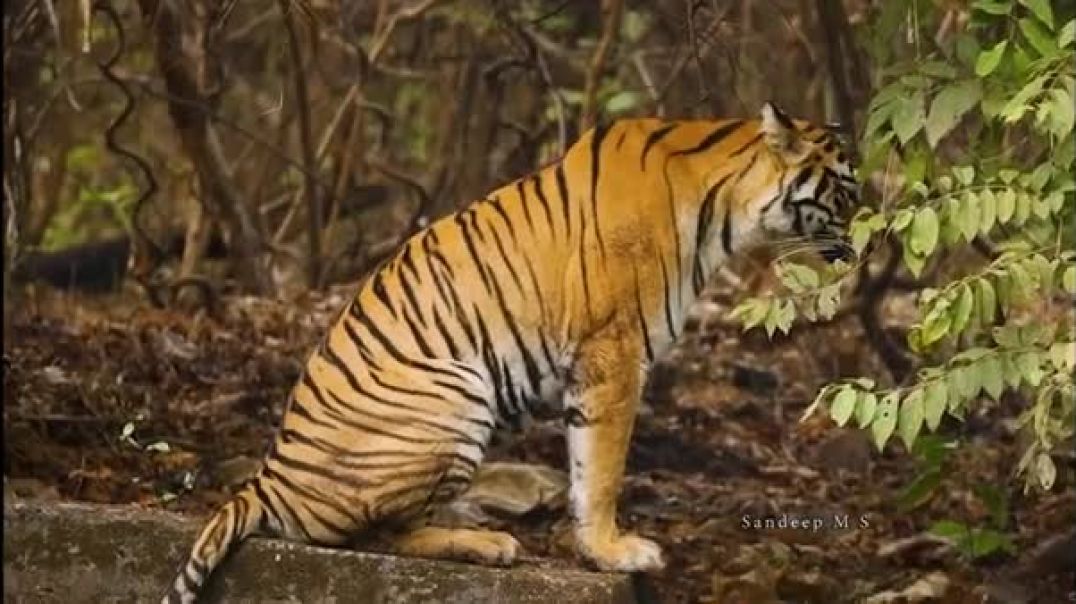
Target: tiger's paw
(626, 553)
(492, 548)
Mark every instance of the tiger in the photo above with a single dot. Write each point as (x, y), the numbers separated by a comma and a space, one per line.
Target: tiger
(560, 288)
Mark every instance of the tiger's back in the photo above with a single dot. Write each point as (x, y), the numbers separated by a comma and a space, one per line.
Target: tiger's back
(566, 283)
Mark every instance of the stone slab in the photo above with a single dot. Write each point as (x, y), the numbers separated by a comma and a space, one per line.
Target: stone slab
(90, 553)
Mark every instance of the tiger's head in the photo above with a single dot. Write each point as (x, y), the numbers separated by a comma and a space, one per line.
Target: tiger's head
(817, 191)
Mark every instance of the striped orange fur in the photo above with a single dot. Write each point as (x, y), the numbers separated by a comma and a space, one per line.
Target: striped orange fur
(562, 288)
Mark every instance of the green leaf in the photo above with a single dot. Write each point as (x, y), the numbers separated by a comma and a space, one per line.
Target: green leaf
(1068, 279)
(961, 309)
(902, 219)
(964, 174)
(968, 383)
(1067, 34)
(623, 101)
(866, 405)
(1030, 365)
(885, 420)
(986, 301)
(843, 405)
(1010, 371)
(993, 7)
(923, 236)
(989, 59)
(1039, 37)
(919, 490)
(936, 324)
(949, 106)
(949, 529)
(1041, 9)
(910, 420)
(751, 312)
(1061, 116)
(828, 299)
(1024, 203)
(990, 374)
(934, 401)
(985, 542)
(1006, 205)
(988, 211)
(970, 216)
(908, 116)
(997, 503)
(1063, 355)
(1019, 104)
(1045, 471)
(1020, 282)
(937, 69)
(797, 277)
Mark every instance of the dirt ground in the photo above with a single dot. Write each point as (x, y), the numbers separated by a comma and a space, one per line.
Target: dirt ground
(94, 385)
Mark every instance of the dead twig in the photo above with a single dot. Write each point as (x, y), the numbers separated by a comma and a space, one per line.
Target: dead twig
(151, 253)
(611, 12)
(305, 140)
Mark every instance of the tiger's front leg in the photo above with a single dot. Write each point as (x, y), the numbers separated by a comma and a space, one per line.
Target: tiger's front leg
(600, 411)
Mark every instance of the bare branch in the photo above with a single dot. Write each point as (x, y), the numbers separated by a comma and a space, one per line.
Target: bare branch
(611, 12)
(305, 140)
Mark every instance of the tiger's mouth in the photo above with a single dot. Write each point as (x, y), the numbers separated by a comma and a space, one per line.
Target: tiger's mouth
(840, 250)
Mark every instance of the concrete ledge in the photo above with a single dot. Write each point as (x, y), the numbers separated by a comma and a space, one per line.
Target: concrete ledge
(86, 553)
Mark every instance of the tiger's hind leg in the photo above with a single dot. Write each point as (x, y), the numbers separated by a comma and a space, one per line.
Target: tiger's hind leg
(493, 548)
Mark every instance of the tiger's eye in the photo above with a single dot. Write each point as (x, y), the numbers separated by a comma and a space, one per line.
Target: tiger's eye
(829, 147)
(841, 157)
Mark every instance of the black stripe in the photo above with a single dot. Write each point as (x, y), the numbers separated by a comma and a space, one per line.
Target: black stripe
(562, 189)
(600, 133)
(702, 229)
(719, 134)
(533, 375)
(299, 409)
(522, 191)
(333, 358)
(364, 350)
(408, 261)
(389, 347)
(496, 204)
(746, 146)
(801, 178)
(378, 287)
(267, 504)
(642, 320)
(653, 139)
(492, 366)
(583, 259)
(461, 220)
(412, 299)
(669, 323)
(309, 495)
(282, 501)
(507, 263)
(726, 231)
(545, 202)
(450, 342)
(417, 336)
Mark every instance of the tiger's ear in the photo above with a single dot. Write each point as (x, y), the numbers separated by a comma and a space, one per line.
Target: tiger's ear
(781, 134)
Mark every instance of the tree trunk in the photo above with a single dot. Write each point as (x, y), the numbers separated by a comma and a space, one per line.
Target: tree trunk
(182, 57)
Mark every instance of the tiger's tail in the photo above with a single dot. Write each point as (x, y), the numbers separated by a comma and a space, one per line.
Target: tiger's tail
(233, 522)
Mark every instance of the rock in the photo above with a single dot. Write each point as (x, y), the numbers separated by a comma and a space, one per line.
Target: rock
(761, 382)
(813, 586)
(83, 553)
(930, 588)
(847, 449)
